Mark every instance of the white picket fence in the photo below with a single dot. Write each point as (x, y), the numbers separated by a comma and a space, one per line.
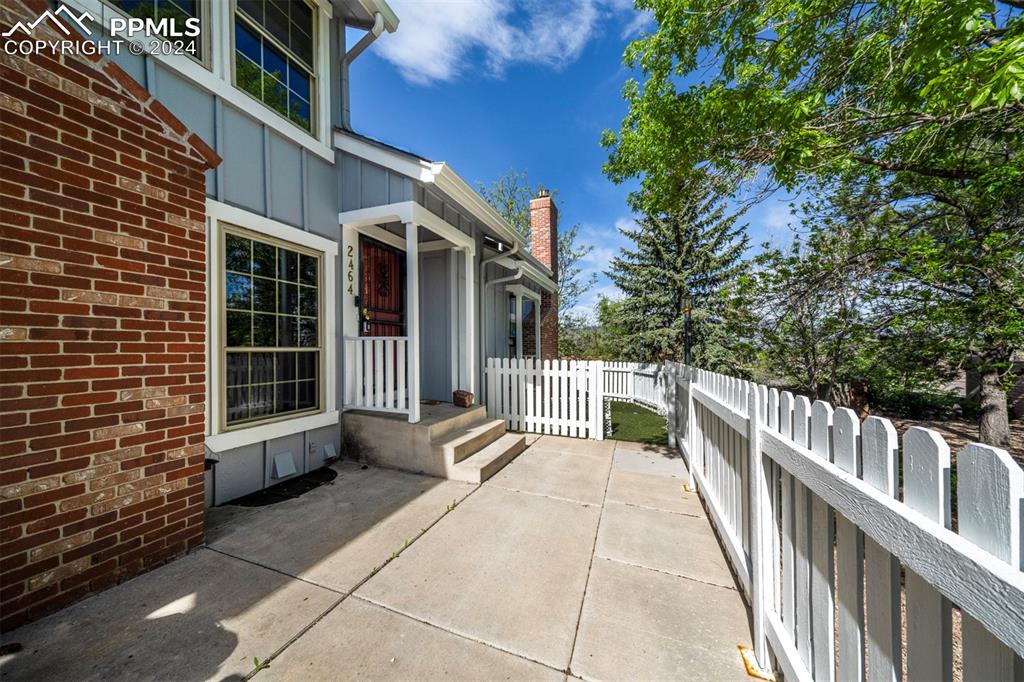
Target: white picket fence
(839, 532)
(635, 382)
(559, 397)
(806, 500)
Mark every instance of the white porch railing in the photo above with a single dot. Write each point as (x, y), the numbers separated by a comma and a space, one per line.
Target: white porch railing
(376, 376)
(807, 501)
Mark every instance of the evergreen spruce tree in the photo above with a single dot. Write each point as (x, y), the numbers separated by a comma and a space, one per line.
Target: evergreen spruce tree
(691, 250)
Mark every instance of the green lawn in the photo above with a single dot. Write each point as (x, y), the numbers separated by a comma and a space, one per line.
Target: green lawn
(637, 424)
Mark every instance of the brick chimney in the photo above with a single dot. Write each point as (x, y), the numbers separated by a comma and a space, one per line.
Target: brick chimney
(544, 247)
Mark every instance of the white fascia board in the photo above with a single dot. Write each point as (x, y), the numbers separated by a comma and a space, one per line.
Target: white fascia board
(530, 270)
(407, 212)
(400, 212)
(407, 165)
(449, 182)
(438, 174)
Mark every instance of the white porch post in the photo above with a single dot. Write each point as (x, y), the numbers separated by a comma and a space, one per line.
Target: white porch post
(469, 350)
(412, 318)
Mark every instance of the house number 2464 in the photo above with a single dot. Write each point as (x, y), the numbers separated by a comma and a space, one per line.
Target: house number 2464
(351, 267)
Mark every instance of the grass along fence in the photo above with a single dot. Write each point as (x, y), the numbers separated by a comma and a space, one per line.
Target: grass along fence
(840, 532)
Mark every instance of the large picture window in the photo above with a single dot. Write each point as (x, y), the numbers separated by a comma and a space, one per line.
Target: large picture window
(274, 56)
(272, 328)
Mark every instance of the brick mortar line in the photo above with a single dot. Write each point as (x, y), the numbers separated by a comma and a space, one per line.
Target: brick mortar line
(309, 626)
(590, 566)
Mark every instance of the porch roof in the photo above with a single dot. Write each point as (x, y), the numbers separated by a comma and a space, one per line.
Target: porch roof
(445, 179)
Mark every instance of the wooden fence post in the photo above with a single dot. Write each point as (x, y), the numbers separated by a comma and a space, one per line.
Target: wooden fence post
(598, 400)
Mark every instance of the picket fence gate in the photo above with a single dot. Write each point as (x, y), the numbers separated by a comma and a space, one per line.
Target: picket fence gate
(840, 533)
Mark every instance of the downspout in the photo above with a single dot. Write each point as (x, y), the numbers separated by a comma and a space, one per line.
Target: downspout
(480, 303)
(350, 56)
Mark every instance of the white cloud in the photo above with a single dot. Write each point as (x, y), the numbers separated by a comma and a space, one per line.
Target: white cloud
(439, 39)
(777, 218)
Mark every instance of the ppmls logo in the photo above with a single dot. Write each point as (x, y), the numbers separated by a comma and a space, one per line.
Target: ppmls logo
(63, 19)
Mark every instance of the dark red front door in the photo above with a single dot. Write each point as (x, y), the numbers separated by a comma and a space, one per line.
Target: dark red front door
(382, 289)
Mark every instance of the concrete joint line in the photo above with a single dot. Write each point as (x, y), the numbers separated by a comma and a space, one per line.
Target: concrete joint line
(657, 509)
(550, 497)
(663, 571)
(346, 595)
(456, 633)
(590, 567)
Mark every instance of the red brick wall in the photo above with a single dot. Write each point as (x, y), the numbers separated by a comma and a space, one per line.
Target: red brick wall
(102, 329)
(544, 247)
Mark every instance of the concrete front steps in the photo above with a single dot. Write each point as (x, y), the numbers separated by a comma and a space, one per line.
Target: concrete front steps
(479, 451)
(449, 442)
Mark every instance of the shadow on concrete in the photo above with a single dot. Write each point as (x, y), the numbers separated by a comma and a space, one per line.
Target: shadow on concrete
(218, 612)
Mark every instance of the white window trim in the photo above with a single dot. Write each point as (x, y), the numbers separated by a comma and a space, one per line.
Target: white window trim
(521, 292)
(218, 79)
(217, 439)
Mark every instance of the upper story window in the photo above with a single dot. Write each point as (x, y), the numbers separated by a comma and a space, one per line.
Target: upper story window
(274, 56)
(179, 10)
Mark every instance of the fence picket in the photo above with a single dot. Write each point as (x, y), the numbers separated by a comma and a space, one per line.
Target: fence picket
(929, 618)
(849, 553)
(879, 445)
(802, 533)
(822, 554)
(990, 490)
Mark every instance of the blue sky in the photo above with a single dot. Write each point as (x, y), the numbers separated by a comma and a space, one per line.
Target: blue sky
(488, 85)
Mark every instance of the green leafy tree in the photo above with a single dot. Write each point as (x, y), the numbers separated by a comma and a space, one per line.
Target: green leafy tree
(510, 196)
(688, 256)
(922, 100)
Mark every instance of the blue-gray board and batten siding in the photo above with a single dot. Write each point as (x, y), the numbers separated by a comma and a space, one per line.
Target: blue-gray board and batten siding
(269, 175)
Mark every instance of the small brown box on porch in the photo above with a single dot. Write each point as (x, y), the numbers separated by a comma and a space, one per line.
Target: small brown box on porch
(462, 398)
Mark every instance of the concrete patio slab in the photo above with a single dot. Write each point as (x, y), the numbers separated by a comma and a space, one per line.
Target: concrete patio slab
(677, 544)
(639, 624)
(581, 478)
(359, 640)
(337, 534)
(653, 492)
(649, 459)
(504, 568)
(576, 446)
(205, 616)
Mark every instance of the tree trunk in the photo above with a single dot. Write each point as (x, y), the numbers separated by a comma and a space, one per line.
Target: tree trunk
(994, 428)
